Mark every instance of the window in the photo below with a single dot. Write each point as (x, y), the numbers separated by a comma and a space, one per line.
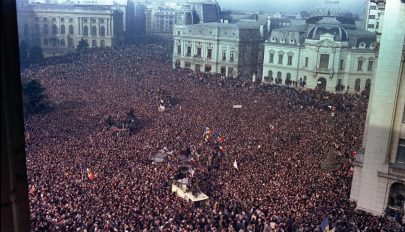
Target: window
(85, 30)
(62, 20)
(54, 29)
(373, 7)
(70, 43)
(45, 42)
(370, 26)
(341, 64)
(209, 55)
(270, 75)
(188, 51)
(289, 61)
(377, 24)
(45, 19)
(93, 31)
(102, 31)
(306, 62)
(224, 55)
(94, 43)
(178, 49)
(371, 16)
(71, 29)
(36, 19)
(53, 19)
(46, 29)
(232, 56)
(324, 61)
(360, 65)
(85, 20)
(280, 59)
(401, 151)
(70, 20)
(62, 42)
(102, 43)
(36, 29)
(101, 20)
(62, 29)
(357, 85)
(93, 20)
(271, 58)
(370, 65)
(54, 42)
(199, 52)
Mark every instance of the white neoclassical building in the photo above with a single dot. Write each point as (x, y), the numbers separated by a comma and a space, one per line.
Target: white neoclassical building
(378, 184)
(58, 28)
(229, 49)
(327, 52)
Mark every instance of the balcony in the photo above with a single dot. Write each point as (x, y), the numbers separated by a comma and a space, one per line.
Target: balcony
(324, 70)
(397, 169)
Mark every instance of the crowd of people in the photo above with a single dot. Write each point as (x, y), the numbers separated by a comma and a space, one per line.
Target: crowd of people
(279, 138)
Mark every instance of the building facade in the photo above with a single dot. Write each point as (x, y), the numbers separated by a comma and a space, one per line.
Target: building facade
(58, 28)
(136, 17)
(227, 49)
(327, 52)
(160, 19)
(373, 16)
(378, 184)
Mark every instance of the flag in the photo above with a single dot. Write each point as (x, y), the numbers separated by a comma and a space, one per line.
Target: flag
(235, 165)
(325, 225)
(90, 174)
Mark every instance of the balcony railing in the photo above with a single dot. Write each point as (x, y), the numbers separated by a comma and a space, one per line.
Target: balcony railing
(324, 70)
(397, 169)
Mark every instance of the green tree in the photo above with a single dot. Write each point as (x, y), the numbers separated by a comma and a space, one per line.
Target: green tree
(82, 45)
(34, 98)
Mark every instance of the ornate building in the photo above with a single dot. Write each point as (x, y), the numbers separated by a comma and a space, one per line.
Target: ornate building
(373, 16)
(229, 49)
(378, 183)
(327, 52)
(58, 28)
(160, 19)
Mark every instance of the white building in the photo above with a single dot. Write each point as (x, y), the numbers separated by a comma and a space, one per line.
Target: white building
(58, 28)
(379, 173)
(160, 19)
(327, 52)
(373, 16)
(229, 49)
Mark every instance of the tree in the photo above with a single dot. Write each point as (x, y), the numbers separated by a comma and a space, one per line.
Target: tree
(34, 97)
(82, 46)
(36, 55)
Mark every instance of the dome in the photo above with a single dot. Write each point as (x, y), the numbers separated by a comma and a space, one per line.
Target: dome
(328, 25)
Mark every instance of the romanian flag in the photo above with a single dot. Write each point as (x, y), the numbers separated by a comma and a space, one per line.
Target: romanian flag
(90, 174)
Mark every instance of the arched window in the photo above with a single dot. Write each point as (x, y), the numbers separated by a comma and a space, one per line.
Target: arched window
(54, 29)
(279, 79)
(93, 31)
(54, 42)
(70, 43)
(62, 29)
(102, 43)
(288, 79)
(46, 29)
(357, 85)
(71, 29)
(102, 31)
(94, 43)
(36, 29)
(62, 42)
(25, 29)
(85, 30)
(45, 42)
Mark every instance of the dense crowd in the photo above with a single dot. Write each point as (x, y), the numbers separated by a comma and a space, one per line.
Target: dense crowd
(279, 138)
